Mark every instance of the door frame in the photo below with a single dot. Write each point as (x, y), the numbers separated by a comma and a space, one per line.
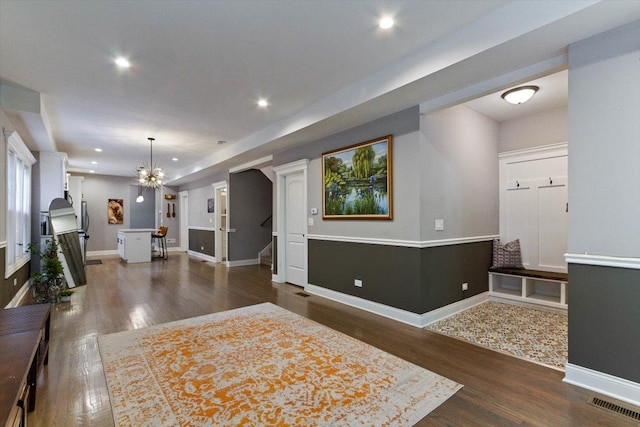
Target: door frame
(184, 220)
(217, 187)
(281, 217)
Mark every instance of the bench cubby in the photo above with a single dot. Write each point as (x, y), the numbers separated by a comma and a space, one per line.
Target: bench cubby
(531, 286)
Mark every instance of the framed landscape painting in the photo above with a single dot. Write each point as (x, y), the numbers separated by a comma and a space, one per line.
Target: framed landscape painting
(357, 181)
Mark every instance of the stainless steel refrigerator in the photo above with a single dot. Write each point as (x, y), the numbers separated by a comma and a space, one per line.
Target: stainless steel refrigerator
(83, 232)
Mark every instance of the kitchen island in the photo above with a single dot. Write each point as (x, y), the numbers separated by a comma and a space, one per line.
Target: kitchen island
(134, 244)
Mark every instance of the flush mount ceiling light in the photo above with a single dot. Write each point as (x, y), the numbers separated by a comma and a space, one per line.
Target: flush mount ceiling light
(263, 103)
(122, 62)
(520, 95)
(98, 150)
(150, 175)
(386, 22)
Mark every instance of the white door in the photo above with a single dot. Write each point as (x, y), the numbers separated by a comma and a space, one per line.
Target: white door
(222, 224)
(184, 221)
(296, 244)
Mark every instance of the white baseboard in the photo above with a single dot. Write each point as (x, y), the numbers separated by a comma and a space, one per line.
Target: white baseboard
(241, 262)
(451, 309)
(618, 388)
(18, 296)
(202, 256)
(398, 314)
(99, 253)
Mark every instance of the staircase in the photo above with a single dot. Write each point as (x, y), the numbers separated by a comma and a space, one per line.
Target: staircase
(265, 255)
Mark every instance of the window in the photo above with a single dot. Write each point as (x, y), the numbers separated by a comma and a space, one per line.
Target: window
(19, 161)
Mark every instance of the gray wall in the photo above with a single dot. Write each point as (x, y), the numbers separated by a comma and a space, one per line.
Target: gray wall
(604, 155)
(202, 241)
(198, 215)
(404, 127)
(412, 279)
(250, 204)
(459, 174)
(544, 128)
(142, 215)
(604, 200)
(97, 190)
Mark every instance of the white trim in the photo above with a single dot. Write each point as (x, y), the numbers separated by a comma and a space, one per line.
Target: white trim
(454, 308)
(398, 314)
(300, 166)
(15, 143)
(99, 253)
(616, 387)
(201, 256)
(219, 184)
(17, 266)
(296, 166)
(275, 278)
(19, 295)
(175, 249)
(404, 243)
(274, 233)
(263, 161)
(3, 244)
(201, 228)
(534, 153)
(242, 262)
(603, 260)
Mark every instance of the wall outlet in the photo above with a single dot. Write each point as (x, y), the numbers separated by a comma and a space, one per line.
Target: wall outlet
(202, 248)
(15, 281)
(465, 286)
(439, 225)
(357, 283)
(171, 240)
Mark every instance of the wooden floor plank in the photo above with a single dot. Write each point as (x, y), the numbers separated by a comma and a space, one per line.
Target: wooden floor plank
(498, 389)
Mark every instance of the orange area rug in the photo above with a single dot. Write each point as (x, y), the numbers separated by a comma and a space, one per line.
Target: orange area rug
(261, 365)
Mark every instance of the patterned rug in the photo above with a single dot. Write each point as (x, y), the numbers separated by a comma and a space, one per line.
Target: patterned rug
(261, 365)
(534, 335)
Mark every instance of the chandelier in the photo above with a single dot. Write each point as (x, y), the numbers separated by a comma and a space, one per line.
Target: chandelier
(150, 176)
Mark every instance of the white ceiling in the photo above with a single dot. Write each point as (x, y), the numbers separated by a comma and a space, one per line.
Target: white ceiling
(200, 66)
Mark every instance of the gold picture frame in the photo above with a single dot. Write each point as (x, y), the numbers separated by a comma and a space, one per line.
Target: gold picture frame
(357, 181)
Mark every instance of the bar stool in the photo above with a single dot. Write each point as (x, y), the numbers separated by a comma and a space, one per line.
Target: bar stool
(161, 239)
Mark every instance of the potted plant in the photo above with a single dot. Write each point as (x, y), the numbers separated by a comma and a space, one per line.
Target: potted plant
(48, 283)
(65, 295)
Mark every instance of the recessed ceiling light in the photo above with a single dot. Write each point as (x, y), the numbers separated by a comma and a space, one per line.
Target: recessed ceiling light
(175, 159)
(92, 171)
(386, 22)
(98, 150)
(262, 102)
(122, 62)
(94, 162)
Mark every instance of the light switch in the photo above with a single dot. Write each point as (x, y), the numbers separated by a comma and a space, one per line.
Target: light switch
(439, 224)
(210, 220)
(310, 221)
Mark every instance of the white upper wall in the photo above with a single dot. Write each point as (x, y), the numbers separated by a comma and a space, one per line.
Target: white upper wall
(604, 144)
(544, 128)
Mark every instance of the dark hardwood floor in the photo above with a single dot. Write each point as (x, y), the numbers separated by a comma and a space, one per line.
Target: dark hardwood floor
(498, 389)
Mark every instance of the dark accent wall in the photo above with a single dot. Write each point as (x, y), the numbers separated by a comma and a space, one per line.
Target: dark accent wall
(202, 241)
(250, 204)
(7, 289)
(604, 315)
(143, 215)
(274, 255)
(413, 279)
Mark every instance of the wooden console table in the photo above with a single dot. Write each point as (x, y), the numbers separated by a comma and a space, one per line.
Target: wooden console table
(24, 340)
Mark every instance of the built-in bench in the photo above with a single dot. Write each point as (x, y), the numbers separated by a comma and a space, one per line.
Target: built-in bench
(532, 286)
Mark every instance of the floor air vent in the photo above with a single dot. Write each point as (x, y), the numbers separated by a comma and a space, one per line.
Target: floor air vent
(620, 408)
(302, 294)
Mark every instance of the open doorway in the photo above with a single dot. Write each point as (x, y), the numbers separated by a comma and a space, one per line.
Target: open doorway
(222, 221)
